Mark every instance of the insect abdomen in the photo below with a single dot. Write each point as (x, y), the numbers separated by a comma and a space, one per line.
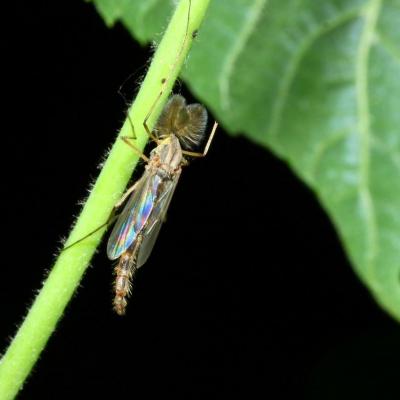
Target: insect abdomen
(123, 276)
(124, 271)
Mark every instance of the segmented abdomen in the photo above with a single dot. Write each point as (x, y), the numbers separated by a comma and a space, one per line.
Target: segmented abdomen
(124, 272)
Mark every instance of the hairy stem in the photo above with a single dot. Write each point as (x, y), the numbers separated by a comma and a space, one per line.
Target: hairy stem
(70, 266)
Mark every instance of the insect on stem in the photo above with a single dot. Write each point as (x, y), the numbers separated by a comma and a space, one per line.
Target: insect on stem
(178, 132)
(136, 230)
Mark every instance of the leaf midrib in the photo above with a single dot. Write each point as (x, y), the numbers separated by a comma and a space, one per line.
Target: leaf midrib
(371, 14)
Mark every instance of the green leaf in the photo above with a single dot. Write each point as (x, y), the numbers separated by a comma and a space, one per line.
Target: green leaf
(317, 82)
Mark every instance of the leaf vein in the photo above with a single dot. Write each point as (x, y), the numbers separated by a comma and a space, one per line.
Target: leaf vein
(292, 67)
(323, 147)
(364, 129)
(239, 45)
(389, 47)
(394, 156)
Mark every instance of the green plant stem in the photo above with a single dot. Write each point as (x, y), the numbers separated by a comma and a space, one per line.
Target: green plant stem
(70, 266)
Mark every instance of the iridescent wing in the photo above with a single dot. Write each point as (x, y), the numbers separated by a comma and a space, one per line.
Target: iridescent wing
(156, 219)
(134, 216)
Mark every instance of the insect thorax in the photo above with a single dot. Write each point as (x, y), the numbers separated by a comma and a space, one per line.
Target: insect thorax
(168, 154)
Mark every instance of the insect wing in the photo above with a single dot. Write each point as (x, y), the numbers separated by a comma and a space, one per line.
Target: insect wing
(134, 216)
(156, 219)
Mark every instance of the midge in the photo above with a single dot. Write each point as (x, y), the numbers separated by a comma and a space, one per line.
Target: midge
(179, 130)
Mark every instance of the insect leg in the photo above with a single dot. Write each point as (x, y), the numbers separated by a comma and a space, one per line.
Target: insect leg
(111, 219)
(132, 126)
(207, 146)
(125, 196)
(127, 140)
(130, 144)
(164, 81)
(131, 123)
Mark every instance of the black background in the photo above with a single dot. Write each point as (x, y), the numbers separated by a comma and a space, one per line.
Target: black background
(248, 291)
